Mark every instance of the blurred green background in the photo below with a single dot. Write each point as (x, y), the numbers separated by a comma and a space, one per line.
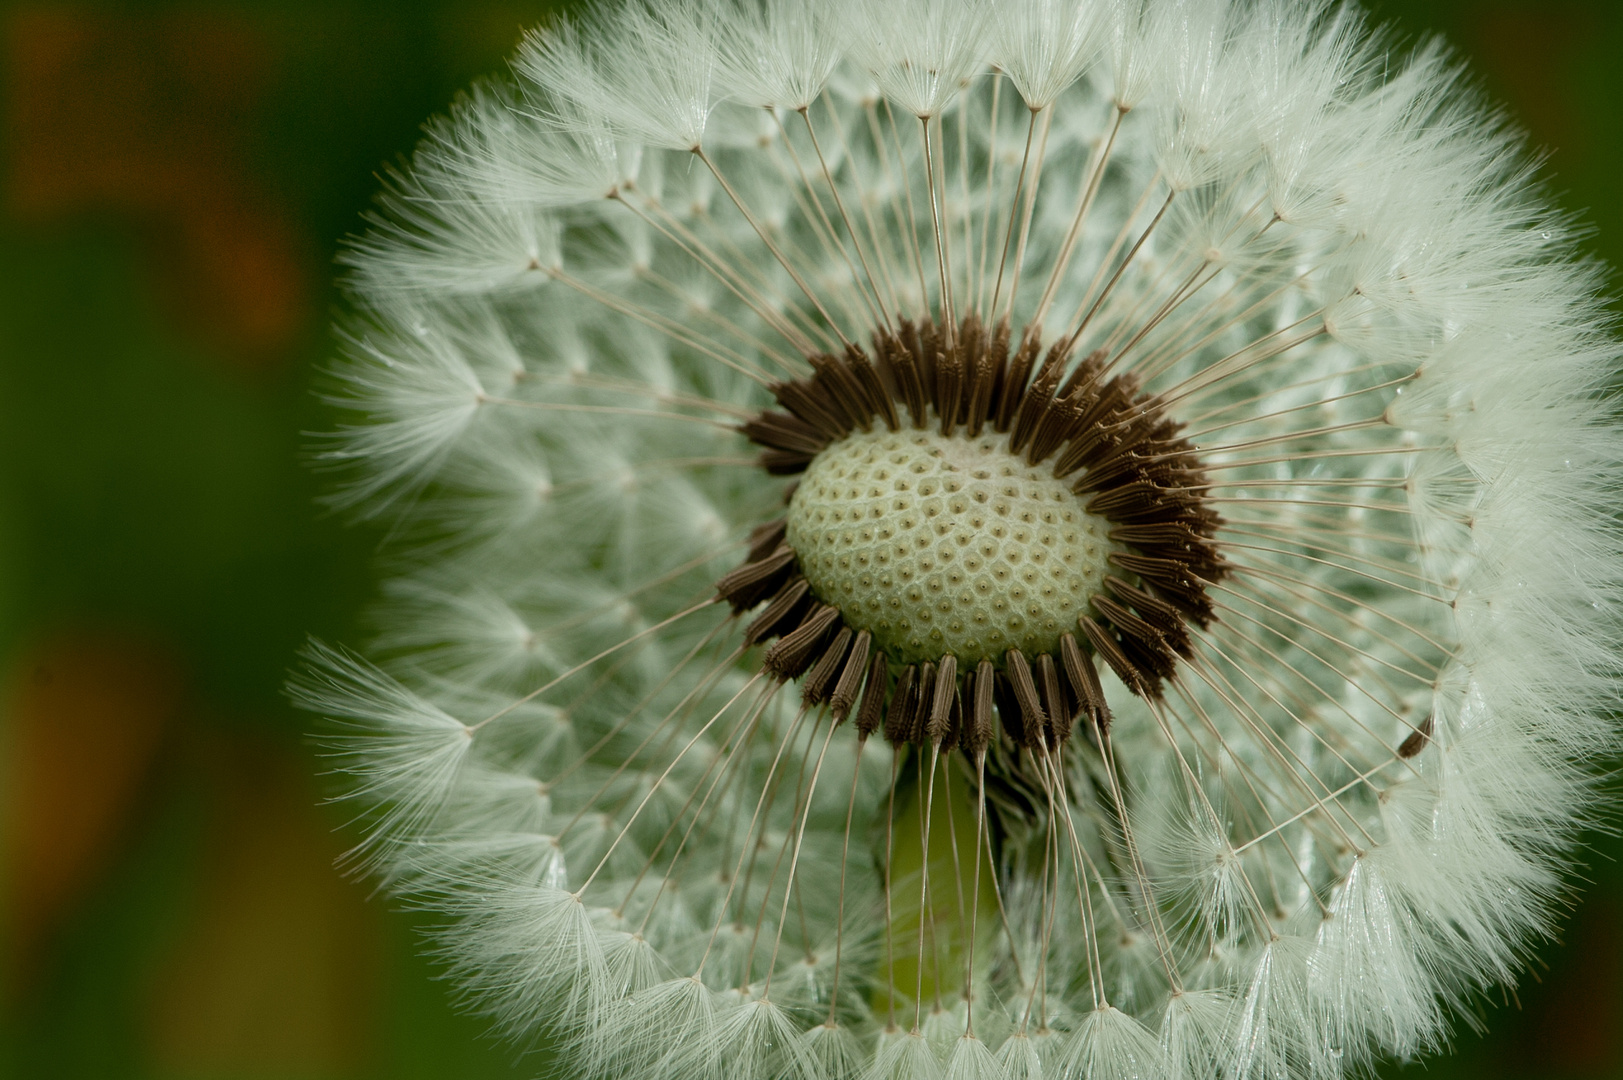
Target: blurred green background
(173, 180)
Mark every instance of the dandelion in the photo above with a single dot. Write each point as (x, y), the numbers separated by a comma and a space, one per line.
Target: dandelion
(1061, 539)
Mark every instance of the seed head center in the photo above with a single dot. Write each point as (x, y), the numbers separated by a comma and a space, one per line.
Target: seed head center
(942, 545)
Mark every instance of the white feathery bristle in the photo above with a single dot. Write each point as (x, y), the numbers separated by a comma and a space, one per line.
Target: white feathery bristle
(833, 1051)
(1135, 37)
(1046, 45)
(1111, 1045)
(640, 71)
(904, 1056)
(920, 52)
(528, 952)
(404, 755)
(1201, 112)
(1299, 70)
(1275, 1033)
(1192, 1030)
(774, 53)
(438, 234)
(511, 152)
(969, 1059)
(754, 1038)
(420, 380)
(1020, 1058)
(1367, 965)
(665, 1025)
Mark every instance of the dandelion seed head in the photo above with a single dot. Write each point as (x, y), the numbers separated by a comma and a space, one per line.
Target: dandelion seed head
(1061, 540)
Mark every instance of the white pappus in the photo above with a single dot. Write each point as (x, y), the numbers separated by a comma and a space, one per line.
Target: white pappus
(1064, 538)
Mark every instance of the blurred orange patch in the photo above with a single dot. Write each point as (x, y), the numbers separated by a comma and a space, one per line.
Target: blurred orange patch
(151, 116)
(275, 972)
(84, 717)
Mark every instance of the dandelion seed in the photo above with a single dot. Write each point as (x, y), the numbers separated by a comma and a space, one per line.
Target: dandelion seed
(1065, 540)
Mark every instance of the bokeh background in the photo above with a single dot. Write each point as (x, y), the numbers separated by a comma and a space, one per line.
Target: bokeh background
(174, 178)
